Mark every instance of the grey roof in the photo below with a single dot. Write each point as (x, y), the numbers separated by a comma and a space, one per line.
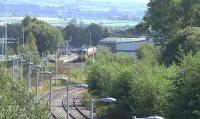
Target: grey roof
(155, 117)
(121, 40)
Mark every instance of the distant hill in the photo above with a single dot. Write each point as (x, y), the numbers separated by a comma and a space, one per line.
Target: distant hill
(126, 9)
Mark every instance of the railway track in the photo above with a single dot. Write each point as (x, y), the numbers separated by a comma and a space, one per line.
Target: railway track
(77, 102)
(61, 68)
(55, 93)
(59, 107)
(75, 112)
(65, 67)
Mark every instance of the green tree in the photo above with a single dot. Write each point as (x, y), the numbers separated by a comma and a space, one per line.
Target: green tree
(28, 20)
(140, 28)
(30, 48)
(31, 42)
(163, 17)
(190, 13)
(140, 88)
(77, 35)
(149, 54)
(185, 41)
(184, 103)
(17, 102)
(48, 38)
(106, 33)
(96, 33)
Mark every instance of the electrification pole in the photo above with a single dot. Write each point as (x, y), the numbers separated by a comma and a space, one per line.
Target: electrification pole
(82, 63)
(56, 65)
(23, 37)
(6, 34)
(13, 68)
(90, 38)
(69, 80)
(92, 47)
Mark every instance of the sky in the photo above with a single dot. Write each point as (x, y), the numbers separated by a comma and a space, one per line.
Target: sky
(141, 1)
(112, 1)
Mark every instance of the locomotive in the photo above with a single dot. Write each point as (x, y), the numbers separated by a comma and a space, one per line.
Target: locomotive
(79, 55)
(85, 53)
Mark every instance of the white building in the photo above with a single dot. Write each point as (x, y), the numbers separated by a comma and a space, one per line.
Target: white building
(125, 45)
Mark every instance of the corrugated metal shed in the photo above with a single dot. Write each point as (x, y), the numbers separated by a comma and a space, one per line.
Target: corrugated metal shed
(126, 45)
(115, 40)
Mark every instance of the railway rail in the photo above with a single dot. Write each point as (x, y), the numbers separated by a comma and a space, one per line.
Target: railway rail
(59, 108)
(61, 68)
(55, 94)
(75, 112)
(65, 67)
(82, 110)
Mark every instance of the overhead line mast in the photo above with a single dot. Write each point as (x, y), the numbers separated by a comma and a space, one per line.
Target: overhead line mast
(5, 41)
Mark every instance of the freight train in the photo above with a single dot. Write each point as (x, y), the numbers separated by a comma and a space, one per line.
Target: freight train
(85, 53)
(79, 55)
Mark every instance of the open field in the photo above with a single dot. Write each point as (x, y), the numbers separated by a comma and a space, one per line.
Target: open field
(63, 22)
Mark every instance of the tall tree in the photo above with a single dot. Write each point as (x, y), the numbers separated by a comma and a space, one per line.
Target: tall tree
(186, 41)
(76, 34)
(184, 103)
(163, 18)
(31, 42)
(190, 13)
(96, 33)
(30, 48)
(48, 38)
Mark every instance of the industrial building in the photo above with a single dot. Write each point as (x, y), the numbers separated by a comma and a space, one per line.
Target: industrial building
(123, 45)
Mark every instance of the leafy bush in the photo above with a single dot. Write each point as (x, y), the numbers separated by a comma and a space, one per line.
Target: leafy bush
(17, 102)
(185, 100)
(140, 88)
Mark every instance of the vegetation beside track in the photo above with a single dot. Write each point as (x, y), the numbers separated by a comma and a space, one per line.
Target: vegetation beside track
(17, 102)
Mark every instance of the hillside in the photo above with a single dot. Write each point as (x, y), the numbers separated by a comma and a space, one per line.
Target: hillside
(126, 10)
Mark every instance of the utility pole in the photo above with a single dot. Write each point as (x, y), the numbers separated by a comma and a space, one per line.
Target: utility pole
(91, 108)
(82, 63)
(92, 48)
(68, 99)
(69, 79)
(23, 37)
(37, 87)
(50, 90)
(2, 49)
(6, 34)
(21, 67)
(13, 68)
(56, 65)
(17, 57)
(21, 61)
(29, 74)
(93, 55)
(90, 38)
